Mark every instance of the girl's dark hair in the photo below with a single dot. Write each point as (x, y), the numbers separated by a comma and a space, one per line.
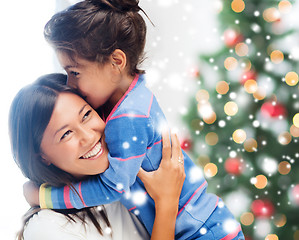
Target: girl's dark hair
(93, 29)
(30, 113)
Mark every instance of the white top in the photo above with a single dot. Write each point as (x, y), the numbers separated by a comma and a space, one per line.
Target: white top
(50, 225)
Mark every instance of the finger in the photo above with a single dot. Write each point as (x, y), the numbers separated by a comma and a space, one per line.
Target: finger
(166, 149)
(176, 148)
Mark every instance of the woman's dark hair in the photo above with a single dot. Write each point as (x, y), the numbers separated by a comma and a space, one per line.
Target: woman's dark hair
(93, 29)
(29, 116)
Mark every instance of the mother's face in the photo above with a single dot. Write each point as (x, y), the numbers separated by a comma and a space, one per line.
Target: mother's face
(74, 138)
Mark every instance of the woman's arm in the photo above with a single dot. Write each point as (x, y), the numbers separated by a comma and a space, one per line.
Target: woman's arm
(164, 185)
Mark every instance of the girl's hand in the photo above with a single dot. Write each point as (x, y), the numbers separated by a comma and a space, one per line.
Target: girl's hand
(165, 184)
(31, 193)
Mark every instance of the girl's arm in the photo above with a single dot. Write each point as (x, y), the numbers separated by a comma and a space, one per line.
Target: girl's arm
(164, 185)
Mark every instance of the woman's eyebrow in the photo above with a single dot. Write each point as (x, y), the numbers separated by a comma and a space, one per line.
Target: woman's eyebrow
(81, 110)
(64, 126)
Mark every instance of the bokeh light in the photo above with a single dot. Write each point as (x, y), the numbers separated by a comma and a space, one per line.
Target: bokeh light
(211, 138)
(197, 124)
(291, 78)
(250, 86)
(202, 96)
(241, 49)
(231, 108)
(203, 160)
(222, 87)
(271, 14)
(261, 181)
(230, 63)
(284, 167)
(250, 145)
(276, 56)
(284, 138)
(209, 119)
(284, 6)
(210, 170)
(245, 64)
(247, 218)
(296, 120)
(294, 131)
(260, 93)
(280, 220)
(238, 6)
(239, 136)
(271, 237)
(296, 235)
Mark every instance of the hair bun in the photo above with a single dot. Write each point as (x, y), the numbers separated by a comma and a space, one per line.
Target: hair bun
(117, 5)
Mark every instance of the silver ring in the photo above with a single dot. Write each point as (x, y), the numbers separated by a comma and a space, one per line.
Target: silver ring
(181, 160)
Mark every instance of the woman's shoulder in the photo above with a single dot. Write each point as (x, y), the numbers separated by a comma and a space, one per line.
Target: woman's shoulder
(48, 224)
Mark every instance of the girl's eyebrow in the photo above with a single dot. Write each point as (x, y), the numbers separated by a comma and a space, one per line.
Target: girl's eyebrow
(70, 66)
(64, 126)
(73, 65)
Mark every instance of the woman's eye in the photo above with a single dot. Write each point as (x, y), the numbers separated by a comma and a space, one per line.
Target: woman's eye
(65, 134)
(86, 114)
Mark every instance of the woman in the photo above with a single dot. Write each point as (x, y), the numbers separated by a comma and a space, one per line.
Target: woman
(58, 138)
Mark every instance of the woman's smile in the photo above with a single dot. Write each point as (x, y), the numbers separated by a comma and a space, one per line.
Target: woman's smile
(95, 152)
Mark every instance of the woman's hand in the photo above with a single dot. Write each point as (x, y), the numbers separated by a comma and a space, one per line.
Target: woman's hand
(164, 185)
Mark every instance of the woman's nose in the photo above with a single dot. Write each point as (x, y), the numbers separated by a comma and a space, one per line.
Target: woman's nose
(86, 135)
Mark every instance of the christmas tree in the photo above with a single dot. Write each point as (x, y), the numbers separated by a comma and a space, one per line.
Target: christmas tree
(244, 118)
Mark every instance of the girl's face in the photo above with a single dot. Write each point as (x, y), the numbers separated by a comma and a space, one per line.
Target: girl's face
(96, 82)
(74, 138)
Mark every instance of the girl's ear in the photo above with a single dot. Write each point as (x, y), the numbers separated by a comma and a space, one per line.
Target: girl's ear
(45, 161)
(119, 59)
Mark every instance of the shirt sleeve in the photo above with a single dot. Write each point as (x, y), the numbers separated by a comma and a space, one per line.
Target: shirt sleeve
(127, 139)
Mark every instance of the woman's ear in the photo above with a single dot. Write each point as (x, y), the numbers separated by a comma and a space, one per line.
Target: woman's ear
(119, 59)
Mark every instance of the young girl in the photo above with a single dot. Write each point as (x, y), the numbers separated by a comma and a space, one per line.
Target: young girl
(100, 44)
(41, 115)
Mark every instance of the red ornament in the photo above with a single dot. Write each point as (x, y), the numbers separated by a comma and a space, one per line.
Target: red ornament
(248, 75)
(295, 194)
(194, 72)
(269, 109)
(186, 144)
(262, 208)
(232, 37)
(233, 166)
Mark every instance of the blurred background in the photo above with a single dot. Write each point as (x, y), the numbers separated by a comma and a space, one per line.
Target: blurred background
(225, 74)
